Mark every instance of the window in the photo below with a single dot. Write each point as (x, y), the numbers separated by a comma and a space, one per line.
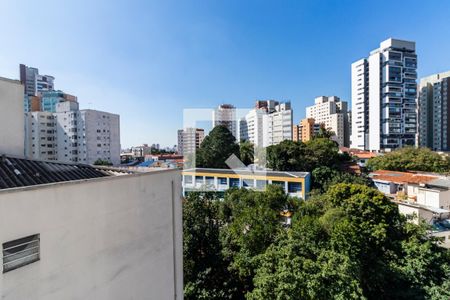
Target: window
(20, 252)
(280, 183)
(222, 180)
(261, 184)
(209, 180)
(294, 187)
(199, 179)
(248, 183)
(234, 182)
(187, 179)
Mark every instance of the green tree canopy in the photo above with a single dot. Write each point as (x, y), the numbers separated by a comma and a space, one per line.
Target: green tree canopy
(247, 152)
(216, 148)
(351, 243)
(298, 156)
(347, 243)
(411, 159)
(102, 162)
(205, 270)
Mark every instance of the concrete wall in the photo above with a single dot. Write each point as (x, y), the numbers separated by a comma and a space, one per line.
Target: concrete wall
(12, 120)
(386, 187)
(101, 128)
(107, 238)
(434, 198)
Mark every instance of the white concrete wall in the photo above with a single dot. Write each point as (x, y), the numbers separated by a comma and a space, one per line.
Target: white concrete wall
(374, 102)
(108, 138)
(358, 104)
(107, 238)
(12, 118)
(434, 198)
(417, 212)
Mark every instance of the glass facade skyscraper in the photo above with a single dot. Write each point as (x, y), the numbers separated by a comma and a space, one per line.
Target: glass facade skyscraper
(384, 110)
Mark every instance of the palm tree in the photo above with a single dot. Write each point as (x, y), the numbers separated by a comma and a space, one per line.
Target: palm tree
(247, 152)
(325, 132)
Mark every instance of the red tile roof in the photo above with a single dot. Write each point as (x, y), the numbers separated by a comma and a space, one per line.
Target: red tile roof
(402, 177)
(363, 155)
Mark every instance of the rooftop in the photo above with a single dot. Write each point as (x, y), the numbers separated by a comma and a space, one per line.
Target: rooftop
(10, 80)
(19, 172)
(402, 177)
(365, 155)
(248, 172)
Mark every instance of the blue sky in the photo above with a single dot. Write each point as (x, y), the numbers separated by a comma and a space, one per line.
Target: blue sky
(149, 60)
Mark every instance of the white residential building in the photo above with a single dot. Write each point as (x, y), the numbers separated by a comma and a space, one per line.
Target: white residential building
(434, 106)
(79, 232)
(11, 117)
(333, 114)
(73, 135)
(269, 123)
(384, 115)
(277, 125)
(101, 136)
(189, 139)
(74, 231)
(225, 114)
(40, 136)
(251, 127)
(421, 196)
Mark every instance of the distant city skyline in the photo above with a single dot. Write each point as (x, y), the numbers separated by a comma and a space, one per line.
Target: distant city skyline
(148, 61)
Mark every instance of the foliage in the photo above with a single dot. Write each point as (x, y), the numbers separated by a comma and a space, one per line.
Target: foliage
(411, 159)
(247, 152)
(298, 156)
(101, 162)
(253, 220)
(205, 271)
(348, 243)
(325, 133)
(325, 177)
(351, 243)
(216, 148)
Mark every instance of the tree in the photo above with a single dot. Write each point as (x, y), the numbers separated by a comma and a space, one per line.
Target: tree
(351, 243)
(286, 156)
(102, 162)
(411, 159)
(326, 133)
(205, 271)
(253, 223)
(247, 153)
(325, 177)
(298, 156)
(216, 148)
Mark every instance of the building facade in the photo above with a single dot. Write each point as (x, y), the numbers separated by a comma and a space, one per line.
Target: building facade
(189, 140)
(40, 136)
(305, 130)
(251, 127)
(225, 115)
(11, 117)
(50, 99)
(78, 232)
(296, 184)
(434, 105)
(33, 82)
(277, 125)
(332, 113)
(269, 123)
(384, 110)
(72, 135)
